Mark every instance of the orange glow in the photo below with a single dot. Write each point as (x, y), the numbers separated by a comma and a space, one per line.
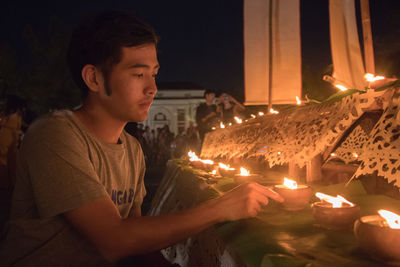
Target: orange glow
(261, 113)
(391, 218)
(244, 172)
(214, 172)
(221, 125)
(291, 184)
(336, 202)
(253, 116)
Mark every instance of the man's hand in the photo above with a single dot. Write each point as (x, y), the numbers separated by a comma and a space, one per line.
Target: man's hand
(244, 201)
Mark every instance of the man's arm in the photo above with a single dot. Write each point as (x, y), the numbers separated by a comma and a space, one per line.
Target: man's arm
(100, 222)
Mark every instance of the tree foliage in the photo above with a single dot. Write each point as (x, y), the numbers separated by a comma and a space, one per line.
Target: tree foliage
(42, 78)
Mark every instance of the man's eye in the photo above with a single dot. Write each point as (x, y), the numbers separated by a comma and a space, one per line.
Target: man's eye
(139, 75)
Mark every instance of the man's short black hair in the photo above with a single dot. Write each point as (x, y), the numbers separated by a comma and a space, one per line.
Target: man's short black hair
(98, 40)
(209, 91)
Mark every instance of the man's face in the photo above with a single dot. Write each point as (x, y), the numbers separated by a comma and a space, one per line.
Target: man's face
(132, 84)
(210, 97)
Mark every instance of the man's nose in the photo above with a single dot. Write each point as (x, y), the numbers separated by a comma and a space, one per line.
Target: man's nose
(151, 88)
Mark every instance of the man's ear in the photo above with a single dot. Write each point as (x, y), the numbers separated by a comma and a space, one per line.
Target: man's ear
(92, 77)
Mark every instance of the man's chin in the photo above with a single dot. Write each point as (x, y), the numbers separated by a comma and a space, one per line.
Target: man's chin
(140, 118)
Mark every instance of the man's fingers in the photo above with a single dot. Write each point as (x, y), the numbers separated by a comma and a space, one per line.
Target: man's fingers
(274, 195)
(269, 192)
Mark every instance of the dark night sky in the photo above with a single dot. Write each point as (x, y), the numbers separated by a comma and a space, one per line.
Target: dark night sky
(201, 41)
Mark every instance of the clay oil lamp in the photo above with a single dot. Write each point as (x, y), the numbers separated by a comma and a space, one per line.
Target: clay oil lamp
(226, 170)
(335, 212)
(296, 196)
(379, 235)
(246, 176)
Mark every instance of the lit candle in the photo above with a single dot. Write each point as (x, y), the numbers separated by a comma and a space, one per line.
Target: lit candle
(200, 163)
(226, 170)
(379, 235)
(246, 176)
(296, 196)
(334, 212)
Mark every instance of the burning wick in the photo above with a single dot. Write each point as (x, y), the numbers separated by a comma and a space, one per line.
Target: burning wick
(224, 166)
(244, 172)
(207, 161)
(336, 202)
(273, 111)
(193, 156)
(238, 120)
(372, 78)
(221, 125)
(298, 100)
(392, 219)
(341, 87)
(289, 183)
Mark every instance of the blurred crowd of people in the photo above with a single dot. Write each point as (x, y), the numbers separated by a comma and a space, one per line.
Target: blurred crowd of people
(160, 144)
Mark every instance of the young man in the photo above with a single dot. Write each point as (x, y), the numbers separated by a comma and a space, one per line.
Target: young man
(80, 176)
(206, 114)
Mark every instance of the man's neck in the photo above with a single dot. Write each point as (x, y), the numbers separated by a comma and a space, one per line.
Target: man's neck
(99, 123)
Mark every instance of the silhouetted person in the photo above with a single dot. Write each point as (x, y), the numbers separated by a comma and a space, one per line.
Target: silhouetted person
(206, 114)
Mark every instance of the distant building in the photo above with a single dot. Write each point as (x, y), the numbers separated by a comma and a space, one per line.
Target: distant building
(175, 105)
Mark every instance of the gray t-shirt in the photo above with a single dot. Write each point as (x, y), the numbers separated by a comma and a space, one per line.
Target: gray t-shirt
(60, 167)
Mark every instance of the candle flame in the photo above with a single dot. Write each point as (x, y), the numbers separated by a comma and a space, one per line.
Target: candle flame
(291, 184)
(207, 161)
(221, 125)
(336, 202)
(341, 87)
(333, 155)
(355, 155)
(261, 113)
(244, 172)
(298, 100)
(193, 156)
(273, 111)
(391, 218)
(214, 172)
(238, 120)
(224, 166)
(253, 116)
(372, 78)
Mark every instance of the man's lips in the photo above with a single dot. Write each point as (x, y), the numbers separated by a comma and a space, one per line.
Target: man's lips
(145, 105)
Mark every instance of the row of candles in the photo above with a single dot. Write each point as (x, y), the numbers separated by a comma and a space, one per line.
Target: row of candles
(330, 212)
(368, 76)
